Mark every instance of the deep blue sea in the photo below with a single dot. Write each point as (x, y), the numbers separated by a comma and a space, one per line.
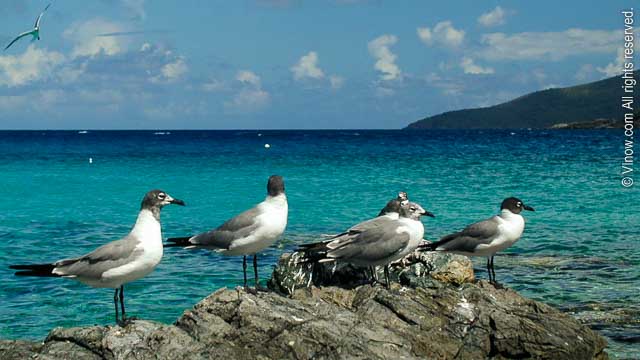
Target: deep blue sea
(578, 252)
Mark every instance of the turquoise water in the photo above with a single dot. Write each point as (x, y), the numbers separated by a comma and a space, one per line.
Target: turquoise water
(578, 252)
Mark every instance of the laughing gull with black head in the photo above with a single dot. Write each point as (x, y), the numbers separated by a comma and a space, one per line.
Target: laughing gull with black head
(375, 242)
(249, 232)
(486, 238)
(393, 206)
(119, 262)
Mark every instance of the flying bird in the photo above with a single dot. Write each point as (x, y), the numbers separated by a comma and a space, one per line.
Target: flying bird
(35, 32)
(119, 262)
(486, 238)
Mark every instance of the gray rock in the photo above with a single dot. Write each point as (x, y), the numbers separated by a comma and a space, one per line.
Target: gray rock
(424, 319)
(293, 273)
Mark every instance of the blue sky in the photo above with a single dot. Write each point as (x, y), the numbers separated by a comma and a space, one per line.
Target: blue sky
(136, 64)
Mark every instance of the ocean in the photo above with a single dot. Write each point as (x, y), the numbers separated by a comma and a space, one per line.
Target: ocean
(63, 193)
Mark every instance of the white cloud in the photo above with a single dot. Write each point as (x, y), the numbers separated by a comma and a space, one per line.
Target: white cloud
(34, 64)
(548, 45)
(175, 70)
(307, 67)
(469, 67)
(249, 77)
(584, 72)
(336, 81)
(493, 18)
(379, 48)
(86, 43)
(251, 96)
(615, 67)
(443, 33)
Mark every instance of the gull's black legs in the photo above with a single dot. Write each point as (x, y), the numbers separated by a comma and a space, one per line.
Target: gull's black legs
(115, 303)
(386, 276)
(255, 271)
(493, 271)
(374, 274)
(489, 269)
(124, 315)
(244, 270)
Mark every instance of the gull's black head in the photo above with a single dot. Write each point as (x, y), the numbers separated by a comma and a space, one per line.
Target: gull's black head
(394, 204)
(275, 186)
(413, 210)
(514, 205)
(156, 199)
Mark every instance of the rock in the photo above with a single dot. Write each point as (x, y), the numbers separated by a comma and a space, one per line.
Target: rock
(424, 319)
(293, 273)
(18, 349)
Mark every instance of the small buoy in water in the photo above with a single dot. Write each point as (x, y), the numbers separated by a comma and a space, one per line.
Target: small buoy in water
(266, 146)
(90, 160)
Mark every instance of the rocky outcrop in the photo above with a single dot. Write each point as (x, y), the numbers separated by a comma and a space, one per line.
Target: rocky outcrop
(424, 318)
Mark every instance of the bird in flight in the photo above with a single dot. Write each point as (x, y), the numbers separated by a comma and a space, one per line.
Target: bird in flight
(35, 32)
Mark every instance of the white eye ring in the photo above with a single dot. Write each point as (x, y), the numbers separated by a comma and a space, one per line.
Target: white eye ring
(161, 196)
(519, 204)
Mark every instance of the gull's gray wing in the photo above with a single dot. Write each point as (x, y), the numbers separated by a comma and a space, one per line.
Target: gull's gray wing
(19, 37)
(468, 239)
(235, 228)
(375, 243)
(40, 16)
(102, 259)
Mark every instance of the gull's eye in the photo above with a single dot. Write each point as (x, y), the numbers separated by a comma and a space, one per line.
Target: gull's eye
(519, 204)
(413, 208)
(161, 196)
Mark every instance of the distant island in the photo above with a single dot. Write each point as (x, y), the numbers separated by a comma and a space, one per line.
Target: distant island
(594, 105)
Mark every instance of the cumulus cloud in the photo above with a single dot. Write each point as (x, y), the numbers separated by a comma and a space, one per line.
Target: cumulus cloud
(554, 46)
(86, 41)
(307, 67)
(469, 67)
(443, 33)
(174, 70)
(336, 81)
(251, 96)
(615, 67)
(379, 48)
(493, 18)
(33, 64)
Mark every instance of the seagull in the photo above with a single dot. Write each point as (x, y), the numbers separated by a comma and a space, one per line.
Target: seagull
(374, 242)
(249, 232)
(486, 238)
(393, 206)
(35, 32)
(119, 262)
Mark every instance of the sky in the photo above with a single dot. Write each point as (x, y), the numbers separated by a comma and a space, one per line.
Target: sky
(291, 64)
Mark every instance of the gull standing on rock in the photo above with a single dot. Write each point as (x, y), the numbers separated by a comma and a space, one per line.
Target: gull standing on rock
(119, 262)
(486, 238)
(375, 242)
(249, 232)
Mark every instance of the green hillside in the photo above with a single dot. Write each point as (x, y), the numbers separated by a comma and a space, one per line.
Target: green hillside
(541, 109)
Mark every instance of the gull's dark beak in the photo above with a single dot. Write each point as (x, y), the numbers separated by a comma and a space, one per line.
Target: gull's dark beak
(177, 202)
(429, 214)
(527, 207)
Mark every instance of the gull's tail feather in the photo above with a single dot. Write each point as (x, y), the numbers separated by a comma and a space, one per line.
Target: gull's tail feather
(314, 252)
(45, 270)
(179, 242)
(425, 246)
